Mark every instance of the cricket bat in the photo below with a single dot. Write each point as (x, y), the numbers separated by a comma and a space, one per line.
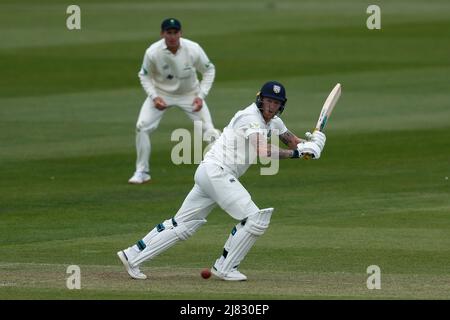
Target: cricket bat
(328, 107)
(325, 113)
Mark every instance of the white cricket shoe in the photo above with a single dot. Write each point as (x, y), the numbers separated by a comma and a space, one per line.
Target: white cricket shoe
(139, 178)
(134, 272)
(233, 275)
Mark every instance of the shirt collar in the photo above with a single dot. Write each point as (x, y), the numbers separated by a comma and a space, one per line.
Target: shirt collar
(261, 116)
(165, 45)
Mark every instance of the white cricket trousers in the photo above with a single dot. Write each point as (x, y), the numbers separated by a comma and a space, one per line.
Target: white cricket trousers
(215, 186)
(149, 118)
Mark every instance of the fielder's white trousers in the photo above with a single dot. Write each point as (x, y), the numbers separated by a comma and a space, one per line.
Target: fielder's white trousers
(149, 118)
(215, 186)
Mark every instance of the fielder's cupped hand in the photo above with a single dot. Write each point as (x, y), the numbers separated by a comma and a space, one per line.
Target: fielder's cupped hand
(198, 104)
(160, 104)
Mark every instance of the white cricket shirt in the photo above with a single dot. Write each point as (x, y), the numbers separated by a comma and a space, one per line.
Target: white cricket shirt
(165, 73)
(232, 150)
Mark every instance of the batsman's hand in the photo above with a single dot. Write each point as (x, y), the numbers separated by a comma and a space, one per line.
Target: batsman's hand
(309, 150)
(198, 104)
(317, 137)
(160, 104)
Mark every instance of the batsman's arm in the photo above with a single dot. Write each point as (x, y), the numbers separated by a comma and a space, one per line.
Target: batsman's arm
(265, 150)
(290, 140)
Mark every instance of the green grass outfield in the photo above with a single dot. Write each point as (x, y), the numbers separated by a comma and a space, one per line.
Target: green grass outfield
(379, 195)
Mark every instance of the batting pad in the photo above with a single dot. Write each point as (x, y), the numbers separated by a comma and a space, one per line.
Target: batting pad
(167, 224)
(239, 244)
(166, 239)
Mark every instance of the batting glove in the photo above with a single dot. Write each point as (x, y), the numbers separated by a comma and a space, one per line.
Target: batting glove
(309, 150)
(318, 137)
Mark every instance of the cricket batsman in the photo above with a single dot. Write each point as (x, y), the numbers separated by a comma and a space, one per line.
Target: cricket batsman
(217, 183)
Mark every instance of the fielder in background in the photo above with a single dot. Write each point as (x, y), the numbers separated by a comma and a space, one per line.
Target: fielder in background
(216, 183)
(169, 77)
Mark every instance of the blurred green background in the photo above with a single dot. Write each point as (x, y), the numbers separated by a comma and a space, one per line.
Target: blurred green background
(379, 195)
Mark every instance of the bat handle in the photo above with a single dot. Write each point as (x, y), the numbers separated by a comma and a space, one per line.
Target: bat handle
(308, 136)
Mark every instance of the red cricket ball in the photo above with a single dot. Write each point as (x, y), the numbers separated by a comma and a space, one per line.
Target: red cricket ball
(205, 273)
